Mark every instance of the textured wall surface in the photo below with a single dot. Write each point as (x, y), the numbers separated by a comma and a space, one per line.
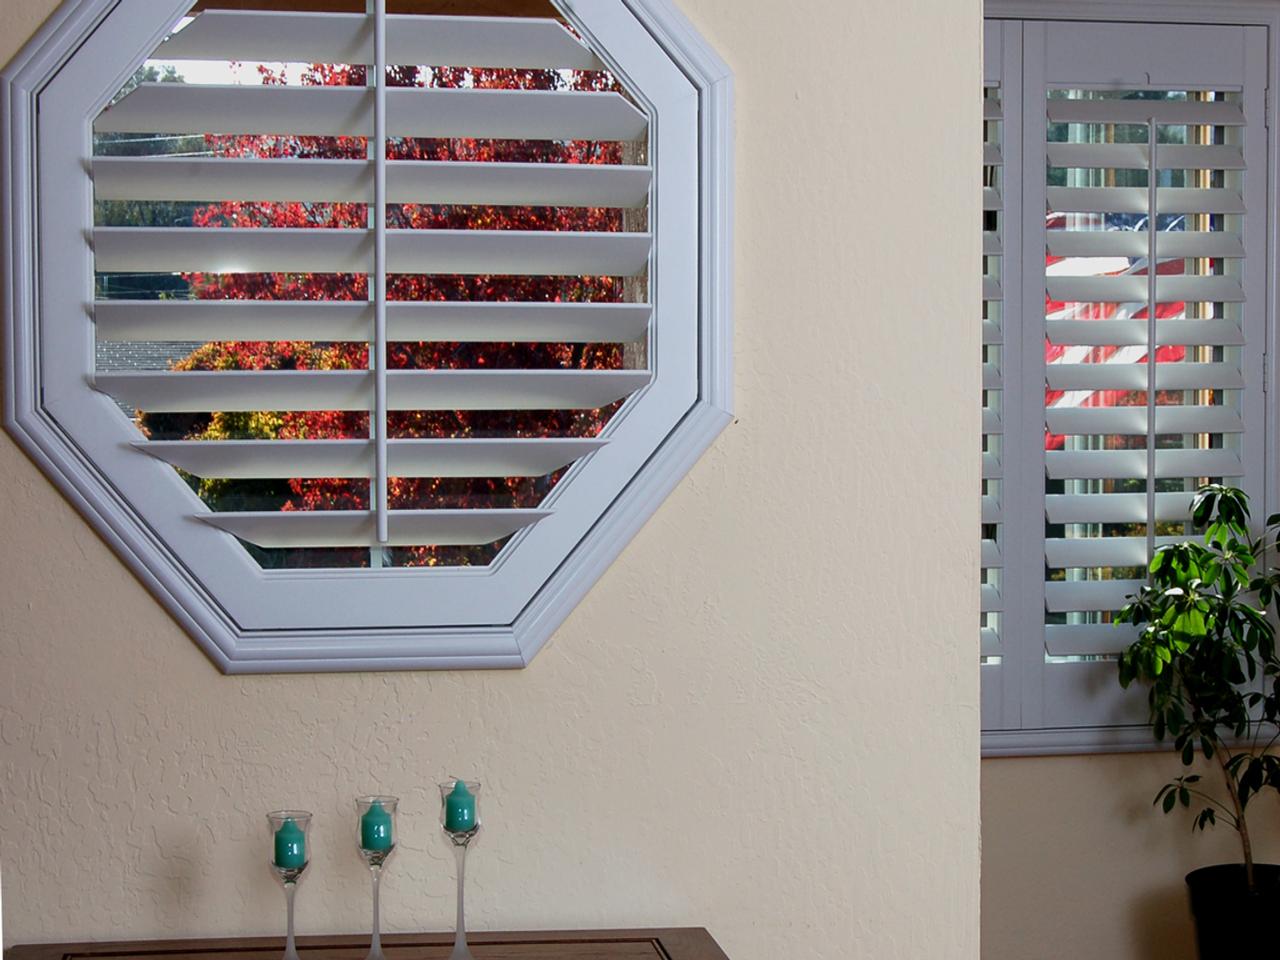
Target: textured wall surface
(763, 719)
(1077, 863)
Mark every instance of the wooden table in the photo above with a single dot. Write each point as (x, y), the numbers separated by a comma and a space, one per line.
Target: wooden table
(682, 943)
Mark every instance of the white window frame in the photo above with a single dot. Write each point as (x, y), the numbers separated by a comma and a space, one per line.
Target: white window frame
(1015, 741)
(251, 620)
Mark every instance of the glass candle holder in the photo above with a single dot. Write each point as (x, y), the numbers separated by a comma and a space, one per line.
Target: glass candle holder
(460, 820)
(376, 841)
(290, 856)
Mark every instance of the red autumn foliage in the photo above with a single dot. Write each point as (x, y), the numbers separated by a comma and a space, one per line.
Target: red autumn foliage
(406, 492)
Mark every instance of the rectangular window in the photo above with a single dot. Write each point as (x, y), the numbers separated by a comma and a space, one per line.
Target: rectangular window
(1125, 318)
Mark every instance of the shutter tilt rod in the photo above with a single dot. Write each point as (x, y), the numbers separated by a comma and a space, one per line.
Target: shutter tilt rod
(1152, 234)
(379, 350)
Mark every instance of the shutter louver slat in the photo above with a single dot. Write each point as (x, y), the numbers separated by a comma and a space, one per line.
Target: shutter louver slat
(407, 321)
(990, 554)
(1133, 420)
(1065, 596)
(1170, 376)
(1134, 243)
(1219, 113)
(1134, 332)
(1134, 200)
(355, 528)
(1133, 289)
(990, 509)
(426, 457)
(346, 38)
(1100, 551)
(1135, 156)
(526, 252)
(1115, 507)
(1088, 639)
(348, 111)
(203, 391)
(1127, 464)
(347, 181)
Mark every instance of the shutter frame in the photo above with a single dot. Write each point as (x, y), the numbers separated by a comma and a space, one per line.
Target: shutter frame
(657, 41)
(1052, 720)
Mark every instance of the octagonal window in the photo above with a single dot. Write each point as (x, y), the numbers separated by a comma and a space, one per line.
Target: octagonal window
(368, 339)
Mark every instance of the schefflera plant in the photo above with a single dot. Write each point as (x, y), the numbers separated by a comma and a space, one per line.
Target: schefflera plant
(1207, 652)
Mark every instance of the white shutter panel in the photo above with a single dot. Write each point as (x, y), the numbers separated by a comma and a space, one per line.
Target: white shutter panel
(1135, 146)
(1001, 231)
(992, 392)
(130, 327)
(1152, 374)
(1118, 425)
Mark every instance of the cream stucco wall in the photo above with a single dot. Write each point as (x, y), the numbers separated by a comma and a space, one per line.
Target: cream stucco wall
(763, 719)
(1077, 863)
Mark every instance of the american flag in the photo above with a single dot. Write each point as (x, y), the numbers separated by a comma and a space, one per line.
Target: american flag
(1058, 310)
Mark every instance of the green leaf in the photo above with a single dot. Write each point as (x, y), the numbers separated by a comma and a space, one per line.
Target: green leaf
(1170, 799)
(1202, 506)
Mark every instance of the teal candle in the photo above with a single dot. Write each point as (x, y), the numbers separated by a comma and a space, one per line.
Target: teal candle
(291, 846)
(460, 809)
(375, 828)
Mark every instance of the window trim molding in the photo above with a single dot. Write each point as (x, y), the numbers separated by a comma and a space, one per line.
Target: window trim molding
(155, 563)
(1067, 741)
(1050, 741)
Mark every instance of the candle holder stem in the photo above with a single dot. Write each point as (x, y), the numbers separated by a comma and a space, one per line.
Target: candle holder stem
(375, 948)
(460, 950)
(290, 948)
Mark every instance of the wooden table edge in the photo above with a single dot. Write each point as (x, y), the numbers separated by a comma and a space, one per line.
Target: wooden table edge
(676, 943)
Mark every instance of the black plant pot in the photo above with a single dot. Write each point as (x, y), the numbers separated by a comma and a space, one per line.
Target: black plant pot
(1232, 922)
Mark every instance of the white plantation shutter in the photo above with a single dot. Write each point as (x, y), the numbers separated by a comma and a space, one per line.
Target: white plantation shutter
(1000, 227)
(518, 432)
(336, 111)
(1139, 146)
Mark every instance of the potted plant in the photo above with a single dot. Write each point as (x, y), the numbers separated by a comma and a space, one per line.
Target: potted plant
(1207, 652)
